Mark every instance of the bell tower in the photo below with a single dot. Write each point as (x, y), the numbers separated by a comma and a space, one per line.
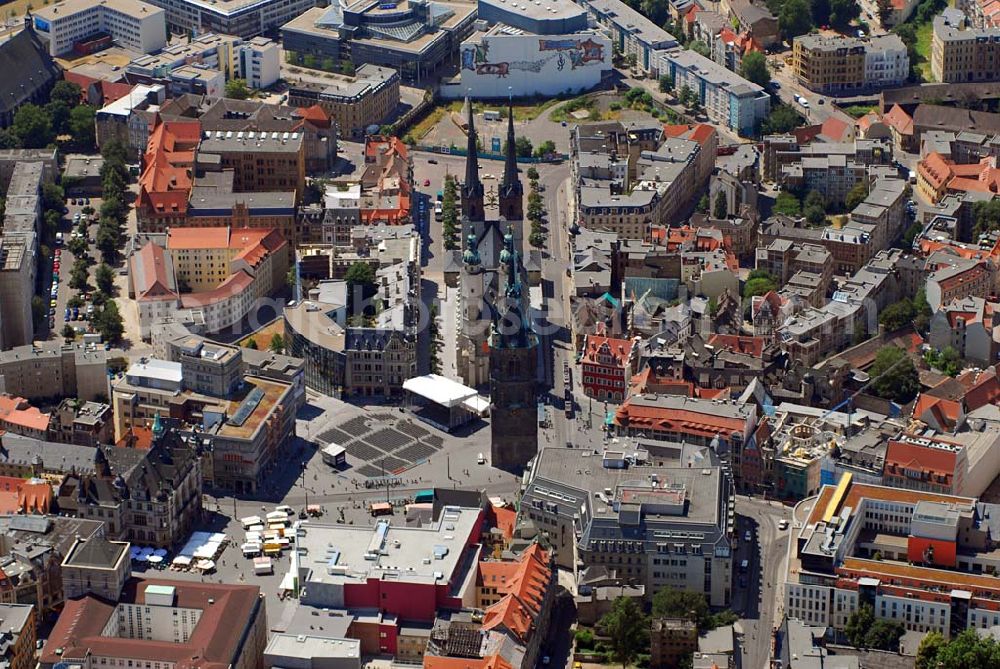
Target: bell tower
(472, 189)
(511, 191)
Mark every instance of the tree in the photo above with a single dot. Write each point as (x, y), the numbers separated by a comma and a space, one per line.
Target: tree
(532, 174)
(522, 147)
(78, 247)
(787, 204)
(856, 195)
(329, 64)
(893, 375)
(67, 93)
(987, 216)
(858, 624)
(666, 83)
(39, 309)
(8, 140)
(703, 204)
(53, 197)
(782, 119)
(885, 635)
(884, 10)
(104, 277)
(58, 113)
(687, 604)
(108, 240)
(360, 280)
(79, 275)
(114, 153)
(820, 10)
(81, 125)
(546, 148)
(33, 127)
(721, 207)
(842, 12)
(947, 361)
(252, 344)
(108, 321)
(309, 61)
(656, 11)
(434, 334)
(921, 311)
(686, 95)
(628, 629)
(277, 344)
(701, 48)
(928, 650)
(758, 286)
(754, 68)
(68, 332)
(968, 649)
(897, 315)
(237, 89)
(794, 19)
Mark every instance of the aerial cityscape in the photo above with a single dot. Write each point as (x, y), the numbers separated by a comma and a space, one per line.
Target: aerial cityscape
(500, 334)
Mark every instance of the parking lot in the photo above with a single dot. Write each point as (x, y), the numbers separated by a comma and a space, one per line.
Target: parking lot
(61, 266)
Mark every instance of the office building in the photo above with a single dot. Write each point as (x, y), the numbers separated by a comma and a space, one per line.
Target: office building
(599, 510)
(354, 103)
(54, 370)
(835, 65)
(961, 53)
(415, 38)
(218, 626)
(259, 161)
(258, 62)
(728, 98)
(132, 24)
(242, 18)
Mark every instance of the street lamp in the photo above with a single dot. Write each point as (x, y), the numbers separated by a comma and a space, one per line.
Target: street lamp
(306, 492)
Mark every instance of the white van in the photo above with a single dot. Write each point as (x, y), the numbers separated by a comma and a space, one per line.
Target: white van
(481, 459)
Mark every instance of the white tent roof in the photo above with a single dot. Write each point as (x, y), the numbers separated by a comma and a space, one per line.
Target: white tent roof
(477, 405)
(439, 389)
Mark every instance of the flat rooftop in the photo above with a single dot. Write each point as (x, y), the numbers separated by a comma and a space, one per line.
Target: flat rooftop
(133, 8)
(264, 401)
(539, 9)
(306, 647)
(428, 554)
(227, 141)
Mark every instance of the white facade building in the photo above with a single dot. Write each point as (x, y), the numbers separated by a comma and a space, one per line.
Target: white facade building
(258, 62)
(728, 98)
(132, 24)
(886, 62)
(497, 63)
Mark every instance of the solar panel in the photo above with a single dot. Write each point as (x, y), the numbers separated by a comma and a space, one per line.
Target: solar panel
(247, 407)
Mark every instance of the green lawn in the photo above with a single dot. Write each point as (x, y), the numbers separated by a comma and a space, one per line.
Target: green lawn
(923, 48)
(857, 111)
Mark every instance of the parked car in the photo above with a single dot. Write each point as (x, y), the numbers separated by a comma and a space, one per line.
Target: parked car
(427, 182)
(432, 161)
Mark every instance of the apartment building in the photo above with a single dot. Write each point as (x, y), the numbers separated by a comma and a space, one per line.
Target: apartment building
(633, 33)
(53, 369)
(959, 278)
(961, 53)
(354, 103)
(135, 25)
(918, 558)
(630, 177)
(220, 624)
(603, 512)
(728, 99)
(834, 65)
(967, 325)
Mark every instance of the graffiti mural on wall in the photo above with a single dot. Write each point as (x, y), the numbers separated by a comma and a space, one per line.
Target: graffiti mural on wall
(578, 52)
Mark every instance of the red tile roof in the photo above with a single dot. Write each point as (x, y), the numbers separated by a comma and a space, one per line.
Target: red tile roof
(939, 462)
(835, 129)
(523, 585)
(596, 346)
(214, 643)
(753, 346)
(16, 411)
(234, 285)
(899, 120)
(150, 274)
(495, 661)
(945, 412)
(165, 182)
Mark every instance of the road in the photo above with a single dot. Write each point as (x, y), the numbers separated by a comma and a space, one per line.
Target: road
(821, 107)
(767, 554)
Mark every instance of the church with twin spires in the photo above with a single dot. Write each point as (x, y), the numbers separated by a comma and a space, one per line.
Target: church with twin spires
(496, 340)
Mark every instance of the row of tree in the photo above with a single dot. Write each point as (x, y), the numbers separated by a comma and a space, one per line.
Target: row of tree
(449, 209)
(65, 115)
(536, 211)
